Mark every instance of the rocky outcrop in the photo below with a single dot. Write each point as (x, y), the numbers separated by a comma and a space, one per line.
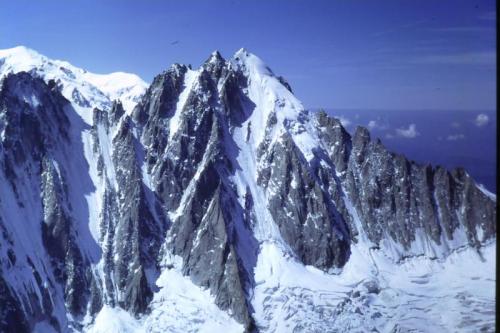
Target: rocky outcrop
(306, 215)
(397, 198)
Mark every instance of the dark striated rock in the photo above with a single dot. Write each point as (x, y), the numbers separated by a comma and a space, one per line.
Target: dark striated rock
(396, 197)
(116, 112)
(12, 318)
(137, 234)
(59, 239)
(203, 237)
(336, 139)
(36, 127)
(307, 219)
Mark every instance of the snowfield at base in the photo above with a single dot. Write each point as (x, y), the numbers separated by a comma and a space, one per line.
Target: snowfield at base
(373, 292)
(114, 320)
(179, 306)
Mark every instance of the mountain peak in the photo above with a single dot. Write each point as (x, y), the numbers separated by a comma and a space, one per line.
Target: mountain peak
(242, 52)
(20, 58)
(18, 50)
(215, 58)
(251, 62)
(77, 84)
(216, 54)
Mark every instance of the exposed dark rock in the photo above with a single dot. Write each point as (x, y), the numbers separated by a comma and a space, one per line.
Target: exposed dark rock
(304, 213)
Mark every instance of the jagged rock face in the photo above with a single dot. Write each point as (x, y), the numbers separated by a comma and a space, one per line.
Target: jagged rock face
(137, 234)
(131, 228)
(397, 197)
(191, 181)
(210, 167)
(35, 140)
(305, 214)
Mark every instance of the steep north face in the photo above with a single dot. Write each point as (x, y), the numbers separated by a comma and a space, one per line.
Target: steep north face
(217, 179)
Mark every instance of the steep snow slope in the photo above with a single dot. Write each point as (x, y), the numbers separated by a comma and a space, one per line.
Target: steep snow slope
(178, 306)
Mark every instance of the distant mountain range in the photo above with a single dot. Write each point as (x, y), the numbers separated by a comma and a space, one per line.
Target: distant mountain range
(211, 200)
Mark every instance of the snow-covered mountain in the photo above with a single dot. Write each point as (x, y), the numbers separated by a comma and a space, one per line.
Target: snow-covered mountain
(82, 88)
(219, 203)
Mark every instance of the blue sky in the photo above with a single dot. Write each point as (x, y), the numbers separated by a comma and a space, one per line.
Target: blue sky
(335, 54)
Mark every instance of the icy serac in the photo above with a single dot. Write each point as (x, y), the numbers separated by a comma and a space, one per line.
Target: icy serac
(219, 203)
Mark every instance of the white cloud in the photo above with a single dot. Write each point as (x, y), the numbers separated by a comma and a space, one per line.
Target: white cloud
(373, 124)
(409, 133)
(482, 120)
(455, 124)
(455, 137)
(344, 121)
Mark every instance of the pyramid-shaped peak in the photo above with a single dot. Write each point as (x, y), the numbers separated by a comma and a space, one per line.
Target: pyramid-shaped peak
(216, 54)
(242, 53)
(215, 58)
